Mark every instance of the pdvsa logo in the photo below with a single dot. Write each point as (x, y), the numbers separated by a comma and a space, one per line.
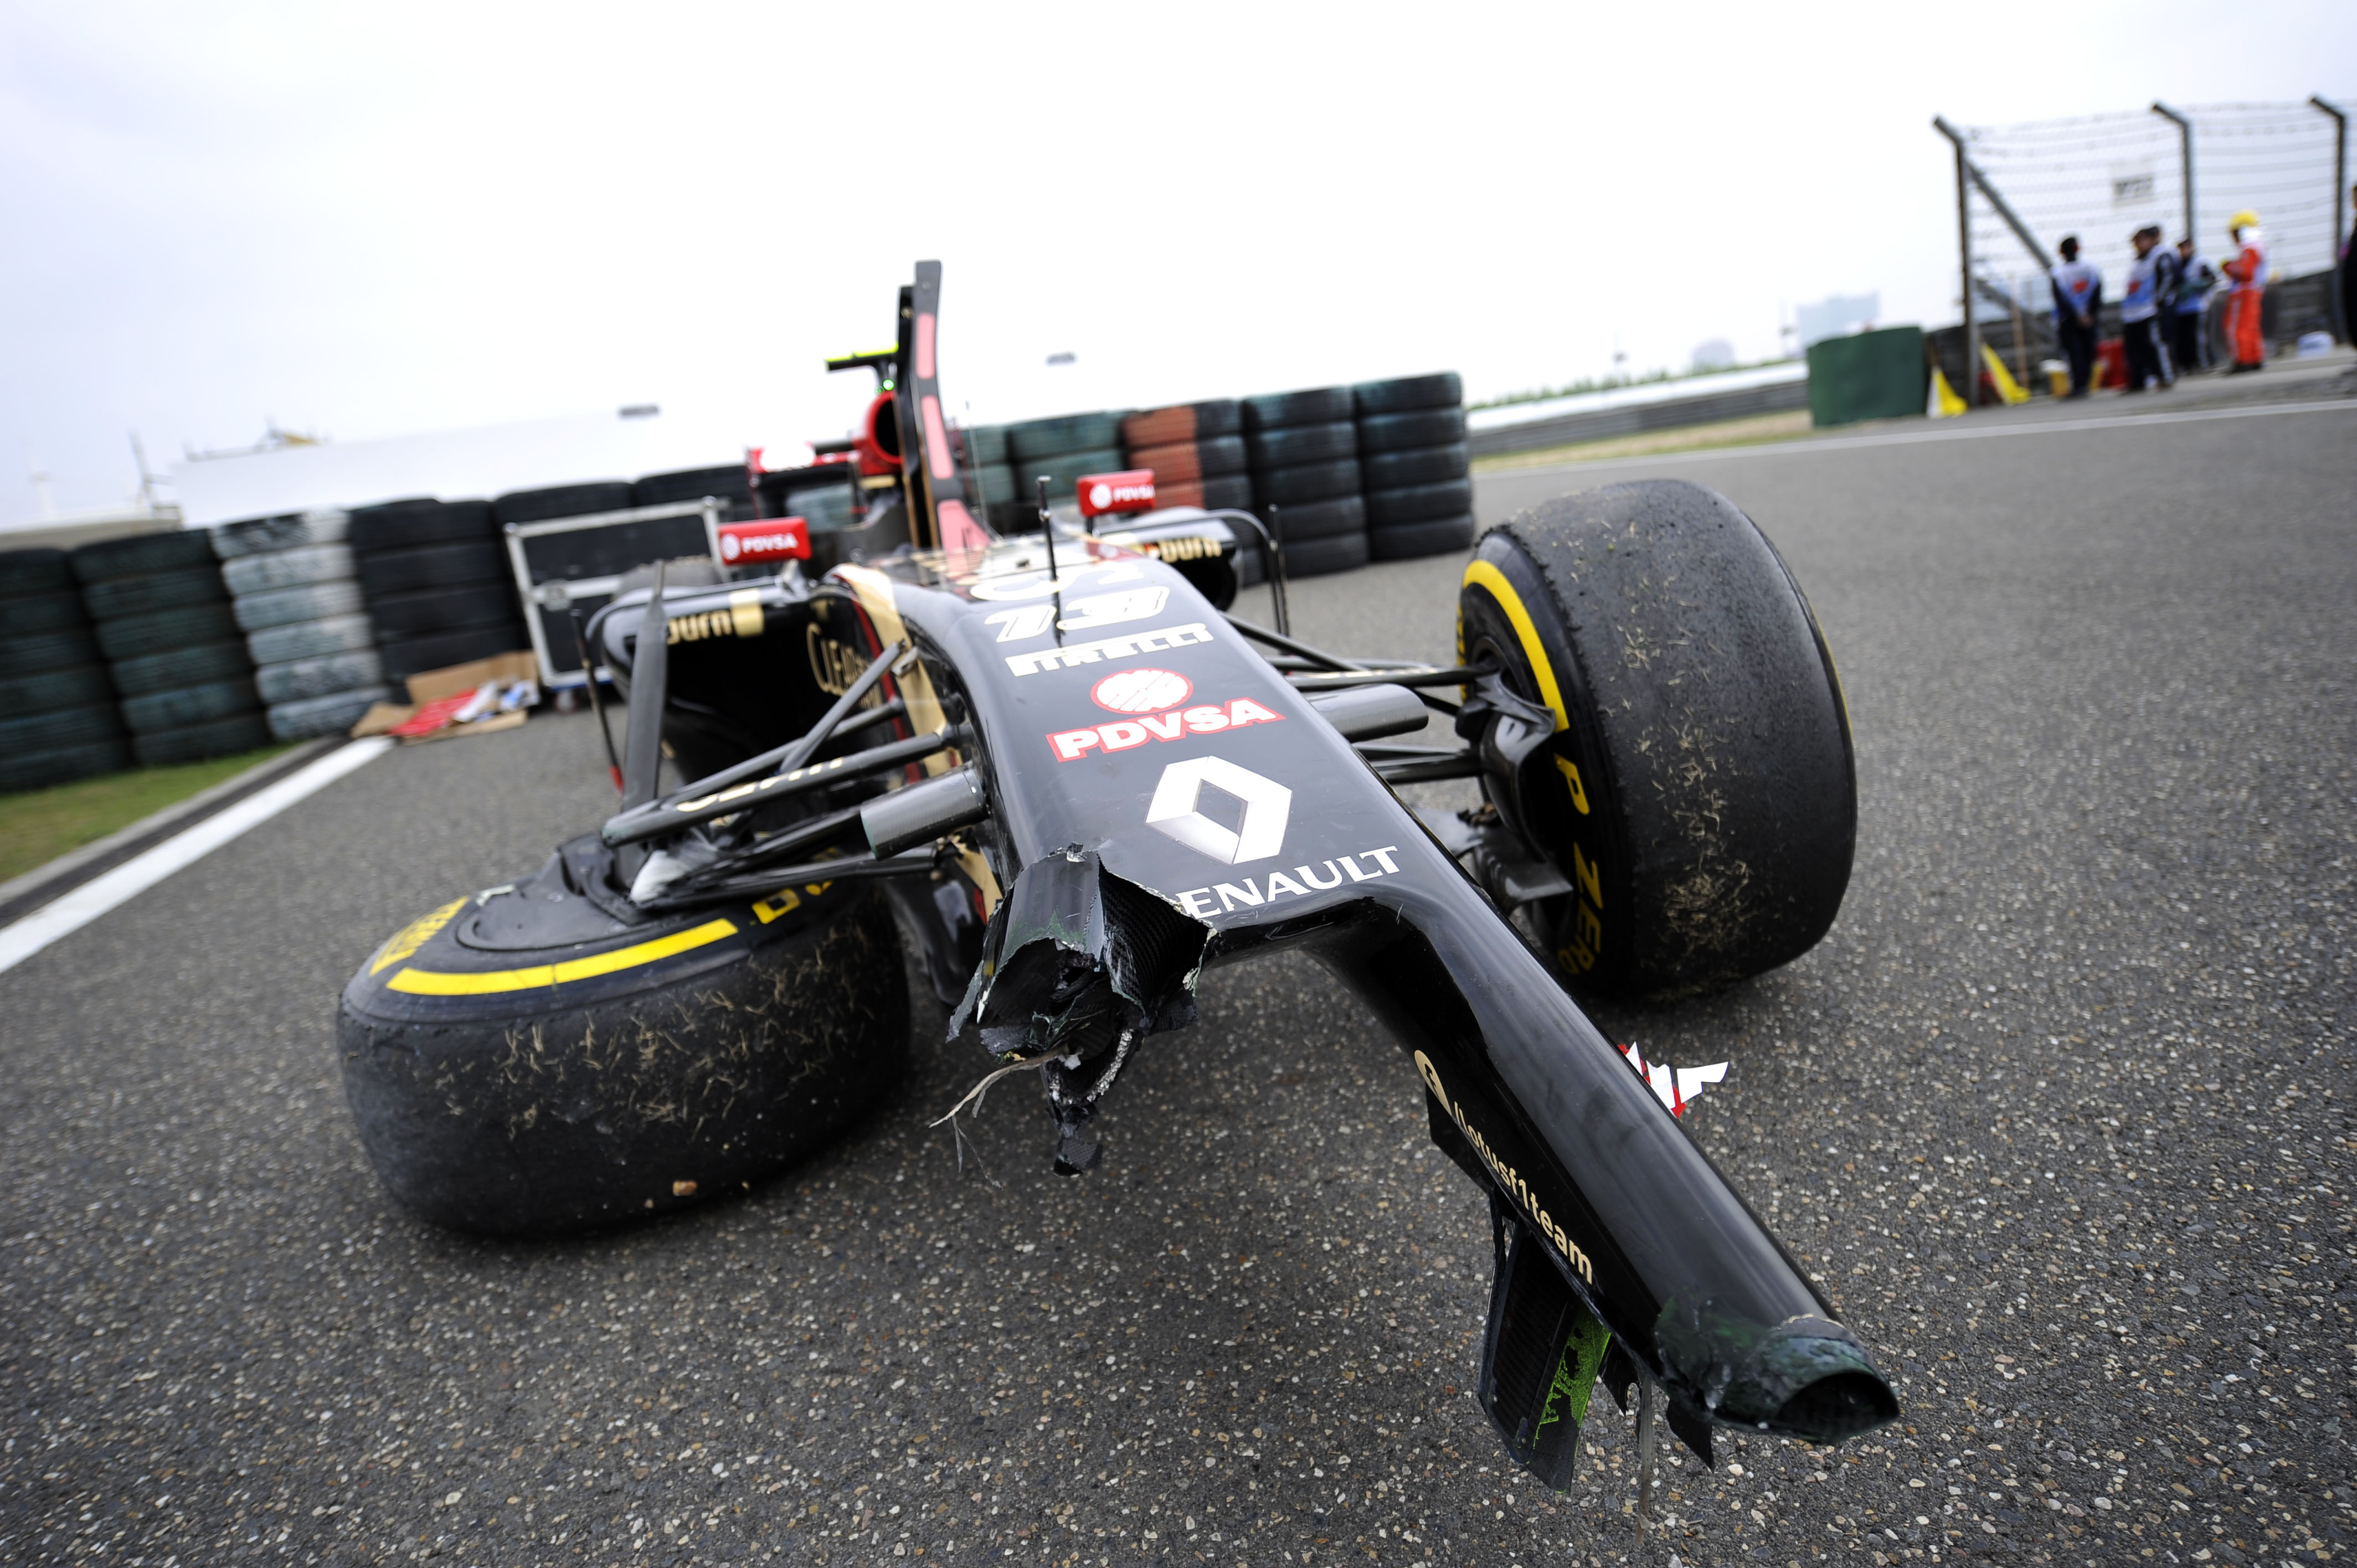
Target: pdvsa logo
(780, 539)
(1141, 691)
(1132, 489)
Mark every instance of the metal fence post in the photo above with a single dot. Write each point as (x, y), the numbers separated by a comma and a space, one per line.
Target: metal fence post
(2185, 158)
(2339, 194)
(1970, 390)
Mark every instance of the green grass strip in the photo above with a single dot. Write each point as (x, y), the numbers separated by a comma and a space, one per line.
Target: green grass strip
(39, 825)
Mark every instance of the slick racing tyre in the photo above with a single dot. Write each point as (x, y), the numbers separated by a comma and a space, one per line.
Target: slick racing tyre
(562, 501)
(113, 598)
(47, 650)
(1305, 521)
(293, 606)
(400, 616)
(308, 718)
(42, 612)
(36, 571)
(402, 524)
(289, 531)
(312, 640)
(323, 676)
(1697, 791)
(41, 770)
(1416, 465)
(522, 1063)
(84, 686)
(1185, 421)
(1299, 444)
(393, 571)
(134, 636)
(1306, 482)
(1419, 503)
(1397, 396)
(141, 553)
(410, 656)
(1406, 541)
(187, 705)
(1044, 440)
(1313, 406)
(1416, 427)
(200, 743)
(1316, 557)
(198, 666)
(259, 574)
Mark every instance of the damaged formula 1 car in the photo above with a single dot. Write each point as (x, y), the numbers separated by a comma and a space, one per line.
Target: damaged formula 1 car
(1075, 782)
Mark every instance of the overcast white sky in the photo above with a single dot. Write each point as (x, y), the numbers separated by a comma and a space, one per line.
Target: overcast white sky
(370, 222)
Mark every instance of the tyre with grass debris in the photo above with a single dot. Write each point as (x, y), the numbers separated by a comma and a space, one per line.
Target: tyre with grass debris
(1694, 785)
(545, 1058)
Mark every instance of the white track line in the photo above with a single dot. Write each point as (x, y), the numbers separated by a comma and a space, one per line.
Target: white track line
(71, 911)
(1912, 437)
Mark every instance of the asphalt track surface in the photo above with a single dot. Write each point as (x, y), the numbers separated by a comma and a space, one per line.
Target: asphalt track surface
(2059, 1115)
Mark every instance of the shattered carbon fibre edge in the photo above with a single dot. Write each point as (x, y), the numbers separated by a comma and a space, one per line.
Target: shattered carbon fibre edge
(585, 1116)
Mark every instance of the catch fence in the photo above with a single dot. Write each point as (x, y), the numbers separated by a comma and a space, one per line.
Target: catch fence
(2021, 188)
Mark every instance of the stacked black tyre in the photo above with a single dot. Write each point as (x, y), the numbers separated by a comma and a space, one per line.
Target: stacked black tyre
(1196, 450)
(298, 603)
(990, 468)
(58, 718)
(1060, 450)
(1413, 464)
(1303, 448)
(163, 617)
(437, 580)
(732, 484)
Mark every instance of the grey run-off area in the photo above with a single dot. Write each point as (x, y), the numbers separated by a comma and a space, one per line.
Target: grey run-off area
(2059, 1115)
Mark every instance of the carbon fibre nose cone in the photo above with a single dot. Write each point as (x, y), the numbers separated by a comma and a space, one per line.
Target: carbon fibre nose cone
(1805, 1378)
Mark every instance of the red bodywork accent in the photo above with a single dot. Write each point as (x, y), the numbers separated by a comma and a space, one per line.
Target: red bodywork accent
(777, 539)
(878, 441)
(1132, 489)
(959, 530)
(925, 347)
(937, 440)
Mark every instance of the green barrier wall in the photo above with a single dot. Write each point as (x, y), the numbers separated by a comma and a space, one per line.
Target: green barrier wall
(1873, 375)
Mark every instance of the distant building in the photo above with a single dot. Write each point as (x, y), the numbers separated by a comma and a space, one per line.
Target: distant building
(1719, 354)
(1837, 316)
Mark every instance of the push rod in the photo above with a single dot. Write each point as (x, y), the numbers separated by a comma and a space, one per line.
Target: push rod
(782, 758)
(671, 816)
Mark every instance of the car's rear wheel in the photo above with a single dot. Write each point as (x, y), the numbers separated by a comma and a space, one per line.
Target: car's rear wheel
(1698, 792)
(535, 1062)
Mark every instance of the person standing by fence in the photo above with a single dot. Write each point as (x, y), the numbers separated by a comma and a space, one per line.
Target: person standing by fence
(2197, 274)
(2247, 270)
(2078, 297)
(2140, 312)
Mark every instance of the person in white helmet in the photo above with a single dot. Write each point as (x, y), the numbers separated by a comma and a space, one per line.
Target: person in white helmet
(2248, 270)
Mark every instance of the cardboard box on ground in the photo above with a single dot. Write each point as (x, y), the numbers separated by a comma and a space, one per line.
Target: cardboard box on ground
(435, 685)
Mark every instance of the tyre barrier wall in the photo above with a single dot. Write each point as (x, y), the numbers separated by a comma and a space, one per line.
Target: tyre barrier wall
(1375, 471)
(1302, 451)
(297, 599)
(436, 579)
(163, 617)
(57, 717)
(1414, 465)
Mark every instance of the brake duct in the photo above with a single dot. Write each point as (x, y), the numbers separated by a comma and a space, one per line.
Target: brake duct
(1078, 965)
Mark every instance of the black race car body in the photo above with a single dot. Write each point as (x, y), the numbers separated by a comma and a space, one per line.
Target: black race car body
(1083, 784)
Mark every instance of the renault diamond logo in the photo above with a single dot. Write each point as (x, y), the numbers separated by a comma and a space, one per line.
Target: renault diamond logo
(1258, 835)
